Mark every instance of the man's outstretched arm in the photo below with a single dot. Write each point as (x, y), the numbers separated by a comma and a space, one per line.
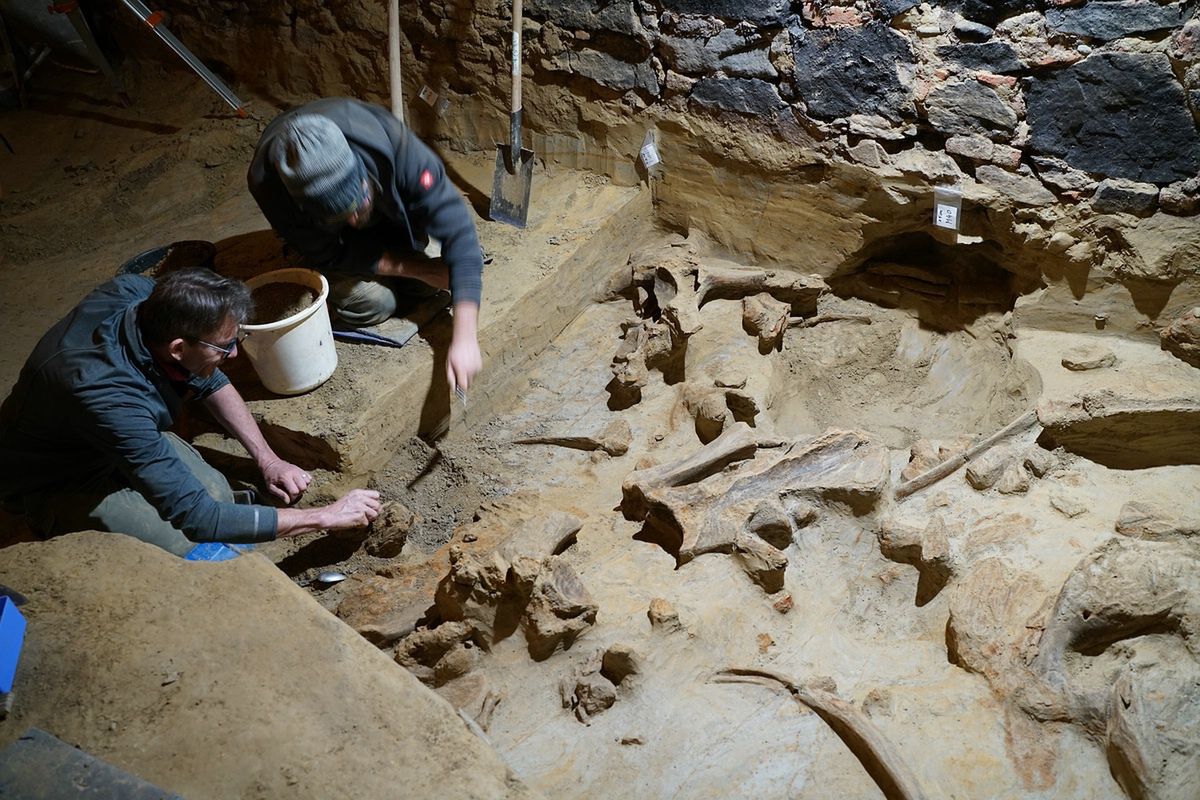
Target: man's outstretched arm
(284, 480)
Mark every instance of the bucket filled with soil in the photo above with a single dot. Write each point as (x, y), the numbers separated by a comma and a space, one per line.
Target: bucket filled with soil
(289, 338)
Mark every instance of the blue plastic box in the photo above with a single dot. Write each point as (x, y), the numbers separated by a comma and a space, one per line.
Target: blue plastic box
(216, 551)
(12, 636)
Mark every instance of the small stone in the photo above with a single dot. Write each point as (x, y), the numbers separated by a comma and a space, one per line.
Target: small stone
(765, 642)
(972, 31)
(1039, 461)
(1087, 357)
(1181, 198)
(619, 662)
(1014, 480)
(1068, 503)
(869, 153)
(593, 694)
(984, 471)
(928, 30)
(663, 616)
(784, 604)
(1060, 242)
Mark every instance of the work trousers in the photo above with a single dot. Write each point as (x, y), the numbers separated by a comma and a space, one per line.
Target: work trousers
(362, 302)
(111, 506)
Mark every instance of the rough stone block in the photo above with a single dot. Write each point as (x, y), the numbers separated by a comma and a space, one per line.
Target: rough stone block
(1107, 21)
(1142, 520)
(869, 81)
(969, 107)
(995, 57)
(1116, 195)
(1086, 357)
(1182, 337)
(743, 95)
(1146, 132)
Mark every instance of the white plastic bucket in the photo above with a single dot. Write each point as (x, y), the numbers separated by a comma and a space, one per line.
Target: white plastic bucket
(295, 354)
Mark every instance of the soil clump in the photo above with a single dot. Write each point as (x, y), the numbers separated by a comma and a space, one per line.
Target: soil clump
(274, 302)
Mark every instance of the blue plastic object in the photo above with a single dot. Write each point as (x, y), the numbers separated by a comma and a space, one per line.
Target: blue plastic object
(12, 636)
(216, 551)
(186, 253)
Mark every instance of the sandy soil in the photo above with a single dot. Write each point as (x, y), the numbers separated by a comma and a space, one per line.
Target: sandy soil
(856, 620)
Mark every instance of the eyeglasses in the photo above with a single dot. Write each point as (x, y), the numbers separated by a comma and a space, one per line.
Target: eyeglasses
(225, 350)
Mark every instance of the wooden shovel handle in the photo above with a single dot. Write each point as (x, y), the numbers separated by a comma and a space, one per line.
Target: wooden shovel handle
(516, 62)
(394, 58)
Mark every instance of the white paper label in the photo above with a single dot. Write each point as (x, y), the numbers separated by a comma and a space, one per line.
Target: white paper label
(946, 216)
(649, 155)
(428, 95)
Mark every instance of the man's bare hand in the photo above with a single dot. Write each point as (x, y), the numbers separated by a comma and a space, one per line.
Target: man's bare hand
(355, 510)
(463, 363)
(285, 481)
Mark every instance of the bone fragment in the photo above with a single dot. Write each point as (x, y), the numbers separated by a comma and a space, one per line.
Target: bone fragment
(1021, 423)
(876, 753)
(737, 443)
(675, 292)
(766, 318)
(705, 515)
(1124, 588)
(614, 439)
(808, 322)
(724, 283)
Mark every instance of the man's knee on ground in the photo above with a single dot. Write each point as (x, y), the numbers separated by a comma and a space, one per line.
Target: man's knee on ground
(361, 302)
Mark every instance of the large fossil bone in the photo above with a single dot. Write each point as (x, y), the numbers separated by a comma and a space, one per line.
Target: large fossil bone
(728, 283)
(875, 752)
(1124, 588)
(693, 515)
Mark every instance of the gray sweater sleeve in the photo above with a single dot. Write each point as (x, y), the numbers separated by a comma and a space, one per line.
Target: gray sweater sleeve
(435, 206)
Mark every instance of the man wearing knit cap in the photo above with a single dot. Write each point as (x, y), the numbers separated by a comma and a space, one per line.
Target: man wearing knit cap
(359, 197)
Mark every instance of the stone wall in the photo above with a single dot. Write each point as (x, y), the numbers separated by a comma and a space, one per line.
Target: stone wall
(807, 134)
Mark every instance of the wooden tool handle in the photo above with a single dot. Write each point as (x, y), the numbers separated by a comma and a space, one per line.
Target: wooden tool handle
(515, 108)
(394, 58)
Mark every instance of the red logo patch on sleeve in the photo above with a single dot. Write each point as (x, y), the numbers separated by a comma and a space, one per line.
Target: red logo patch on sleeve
(426, 180)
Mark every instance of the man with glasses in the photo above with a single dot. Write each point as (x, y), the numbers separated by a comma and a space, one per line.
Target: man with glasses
(84, 443)
(359, 197)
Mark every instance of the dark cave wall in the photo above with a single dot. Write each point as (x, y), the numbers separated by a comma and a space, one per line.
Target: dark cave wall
(805, 134)
(1069, 96)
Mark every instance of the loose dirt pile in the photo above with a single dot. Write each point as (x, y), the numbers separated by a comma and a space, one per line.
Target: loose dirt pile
(274, 302)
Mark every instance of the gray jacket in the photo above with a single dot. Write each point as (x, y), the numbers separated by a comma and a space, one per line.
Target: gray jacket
(417, 201)
(91, 404)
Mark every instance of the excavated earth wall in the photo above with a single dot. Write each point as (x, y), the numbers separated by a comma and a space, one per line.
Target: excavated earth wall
(941, 485)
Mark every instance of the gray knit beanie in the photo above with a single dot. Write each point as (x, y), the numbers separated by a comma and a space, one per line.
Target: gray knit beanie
(317, 166)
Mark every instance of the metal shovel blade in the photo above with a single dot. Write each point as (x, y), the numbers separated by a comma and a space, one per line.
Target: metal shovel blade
(510, 189)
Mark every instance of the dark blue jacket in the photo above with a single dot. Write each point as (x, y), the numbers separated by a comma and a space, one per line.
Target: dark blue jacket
(417, 201)
(91, 403)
